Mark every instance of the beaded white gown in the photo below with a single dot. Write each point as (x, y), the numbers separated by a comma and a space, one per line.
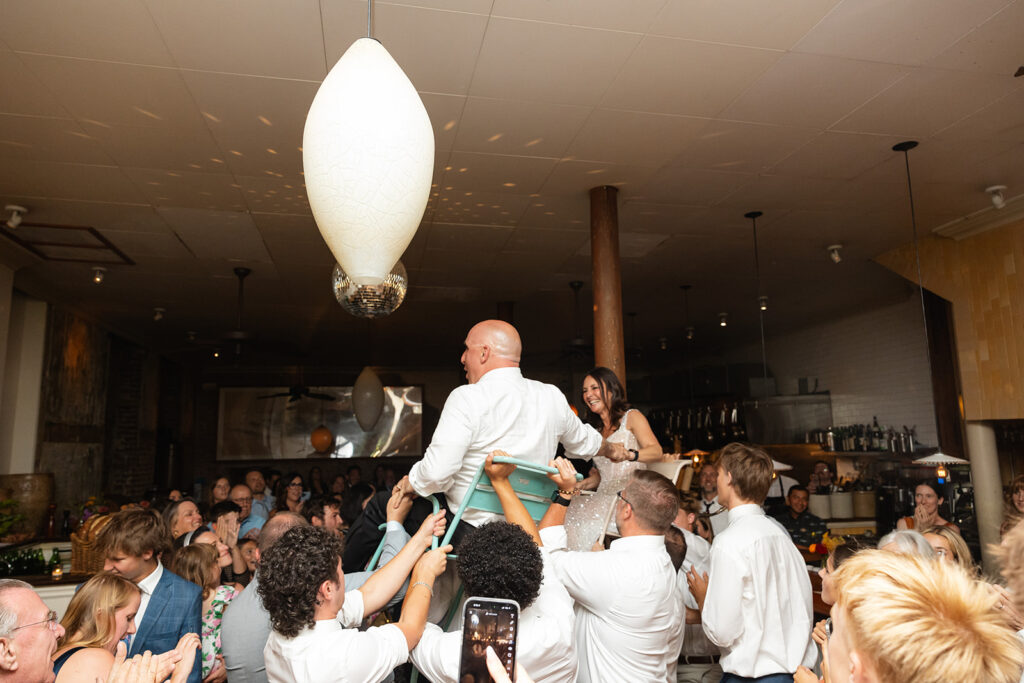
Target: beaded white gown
(586, 514)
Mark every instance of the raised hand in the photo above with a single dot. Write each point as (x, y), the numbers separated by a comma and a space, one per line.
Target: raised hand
(565, 480)
(433, 525)
(498, 471)
(431, 565)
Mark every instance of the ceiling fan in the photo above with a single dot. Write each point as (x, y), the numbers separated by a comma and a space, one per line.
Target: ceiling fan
(298, 392)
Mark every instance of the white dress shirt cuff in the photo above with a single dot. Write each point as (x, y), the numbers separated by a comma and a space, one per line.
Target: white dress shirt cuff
(394, 526)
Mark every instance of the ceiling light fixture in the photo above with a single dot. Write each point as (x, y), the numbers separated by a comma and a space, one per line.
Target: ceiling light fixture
(158, 314)
(833, 252)
(370, 301)
(723, 319)
(995, 194)
(16, 214)
(689, 332)
(98, 273)
(368, 158)
(762, 302)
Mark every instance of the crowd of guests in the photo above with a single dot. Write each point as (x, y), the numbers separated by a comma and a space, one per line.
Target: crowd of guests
(694, 587)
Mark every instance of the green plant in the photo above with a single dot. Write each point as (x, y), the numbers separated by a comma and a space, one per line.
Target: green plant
(8, 516)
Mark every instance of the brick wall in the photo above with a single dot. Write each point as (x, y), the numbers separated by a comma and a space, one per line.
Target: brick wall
(131, 423)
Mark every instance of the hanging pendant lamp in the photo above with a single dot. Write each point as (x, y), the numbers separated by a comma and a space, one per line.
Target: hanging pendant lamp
(367, 398)
(368, 159)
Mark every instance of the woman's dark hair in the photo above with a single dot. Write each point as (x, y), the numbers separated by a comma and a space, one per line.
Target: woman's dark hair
(291, 573)
(282, 490)
(499, 560)
(612, 394)
(939, 489)
(842, 553)
(316, 483)
(170, 513)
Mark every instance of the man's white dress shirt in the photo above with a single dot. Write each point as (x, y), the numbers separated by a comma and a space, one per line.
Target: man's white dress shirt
(146, 587)
(330, 652)
(758, 607)
(698, 556)
(719, 515)
(627, 608)
(501, 411)
(545, 646)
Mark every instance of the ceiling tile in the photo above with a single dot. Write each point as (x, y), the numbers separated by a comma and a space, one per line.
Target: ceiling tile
(173, 150)
(217, 235)
(273, 194)
(518, 127)
(677, 185)
(496, 173)
(742, 147)
(811, 90)
(613, 15)
(548, 62)
(472, 6)
(566, 212)
(244, 37)
(775, 25)
(671, 76)
(1000, 121)
(111, 30)
(187, 189)
(23, 92)
(466, 240)
(67, 181)
(445, 112)
(579, 177)
(837, 155)
(436, 49)
(45, 139)
(634, 138)
(926, 101)
(910, 32)
(478, 208)
(118, 94)
(284, 227)
(993, 47)
(534, 240)
(141, 244)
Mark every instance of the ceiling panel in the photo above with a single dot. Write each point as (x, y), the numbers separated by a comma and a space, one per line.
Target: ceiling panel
(613, 15)
(253, 37)
(671, 76)
(742, 147)
(632, 138)
(45, 139)
(993, 47)
(517, 62)
(109, 30)
(494, 173)
(926, 101)
(158, 148)
(517, 127)
(23, 93)
(67, 181)
(445, 112)
(579, 177)
(811, 90)
(217, 235)
(837, 155)
(775, 25)
(910, 32)
(118, 94)
(187, 189)
(677, 185)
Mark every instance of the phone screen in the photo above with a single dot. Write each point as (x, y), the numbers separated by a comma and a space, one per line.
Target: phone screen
(492, 622)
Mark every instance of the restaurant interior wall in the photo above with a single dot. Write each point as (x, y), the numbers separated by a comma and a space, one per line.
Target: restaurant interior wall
(982, 276)
(22, 384)
(873, 363)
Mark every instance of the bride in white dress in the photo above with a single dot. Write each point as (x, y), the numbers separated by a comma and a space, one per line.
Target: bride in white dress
(605, 409)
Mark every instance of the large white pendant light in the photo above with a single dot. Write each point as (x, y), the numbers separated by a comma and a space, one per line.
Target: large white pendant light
(367, 398)
(368, 157)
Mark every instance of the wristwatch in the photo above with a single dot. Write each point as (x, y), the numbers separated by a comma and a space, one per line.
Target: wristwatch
(559, 499)
(635, 452)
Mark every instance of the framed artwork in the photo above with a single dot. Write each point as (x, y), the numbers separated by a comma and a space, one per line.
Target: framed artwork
(262, 423)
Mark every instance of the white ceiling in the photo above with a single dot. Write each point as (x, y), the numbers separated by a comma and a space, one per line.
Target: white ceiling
(173, 127)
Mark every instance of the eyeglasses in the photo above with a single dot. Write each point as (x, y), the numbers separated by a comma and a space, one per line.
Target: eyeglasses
(295, 484)
(50, 620)
(619, 494)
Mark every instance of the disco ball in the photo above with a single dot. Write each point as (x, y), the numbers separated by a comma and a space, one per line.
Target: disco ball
(370, 301)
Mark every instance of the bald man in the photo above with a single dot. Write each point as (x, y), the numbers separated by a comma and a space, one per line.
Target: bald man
(498, 410)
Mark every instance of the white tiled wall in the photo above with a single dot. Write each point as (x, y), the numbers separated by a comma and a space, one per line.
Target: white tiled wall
(873, 363)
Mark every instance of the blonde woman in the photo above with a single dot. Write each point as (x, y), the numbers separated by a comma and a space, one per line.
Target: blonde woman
(100, 615)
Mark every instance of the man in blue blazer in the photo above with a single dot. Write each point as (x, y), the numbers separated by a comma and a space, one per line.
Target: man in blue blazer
(132, 543)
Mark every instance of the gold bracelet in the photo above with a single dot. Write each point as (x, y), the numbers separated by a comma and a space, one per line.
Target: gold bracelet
(567, 494)
(420, 583)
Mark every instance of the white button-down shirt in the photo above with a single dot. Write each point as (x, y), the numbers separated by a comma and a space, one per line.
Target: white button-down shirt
(758, 606)
(544, 645)
(501, 411)
(698, 555)
(146, 587)
(331, 652)
(628, 614)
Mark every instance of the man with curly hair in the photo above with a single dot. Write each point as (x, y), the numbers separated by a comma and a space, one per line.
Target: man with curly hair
(629, 617)
(302, 587)
(503, 560)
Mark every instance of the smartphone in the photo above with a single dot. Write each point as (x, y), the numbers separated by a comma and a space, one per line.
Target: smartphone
(493, 622)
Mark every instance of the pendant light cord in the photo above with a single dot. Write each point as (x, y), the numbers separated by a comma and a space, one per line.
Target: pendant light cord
(917, 257)
(757, 274)
(369, 18)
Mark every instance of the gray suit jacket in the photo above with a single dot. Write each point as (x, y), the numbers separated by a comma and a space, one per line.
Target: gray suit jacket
(246, 624)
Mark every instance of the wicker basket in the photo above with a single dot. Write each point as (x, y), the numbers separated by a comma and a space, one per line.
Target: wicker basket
(85, 556)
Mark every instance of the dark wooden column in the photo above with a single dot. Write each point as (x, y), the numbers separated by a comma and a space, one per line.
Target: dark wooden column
(604, 251)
